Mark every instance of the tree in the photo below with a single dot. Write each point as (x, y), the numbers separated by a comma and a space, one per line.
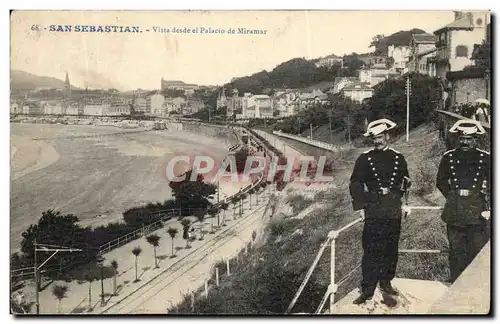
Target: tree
(192, 194)
(482, 55)
(243, 196)
(57, 229)
(59, 291)
(173, 233)
(200, 215)
(377, 42)
(90, 277)
(224, 206)
(234, 200)
(154, 240)
(186, 223)
(212, 212)
(136, 252)
(114, 265)
(251, 191)
(389, 101)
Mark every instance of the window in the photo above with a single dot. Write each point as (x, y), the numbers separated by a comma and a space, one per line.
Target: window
(461, 51)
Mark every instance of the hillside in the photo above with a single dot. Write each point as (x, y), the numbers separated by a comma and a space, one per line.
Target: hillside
(402, 37)
(267, 280)
(20, 80)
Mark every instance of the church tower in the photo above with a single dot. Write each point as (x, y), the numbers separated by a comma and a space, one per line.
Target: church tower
(67, 87)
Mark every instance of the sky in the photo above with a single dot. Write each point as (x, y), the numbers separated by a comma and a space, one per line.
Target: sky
(128, 61)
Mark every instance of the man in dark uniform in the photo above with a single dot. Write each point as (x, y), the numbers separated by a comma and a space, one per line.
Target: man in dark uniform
(377, 184)
(463, 178)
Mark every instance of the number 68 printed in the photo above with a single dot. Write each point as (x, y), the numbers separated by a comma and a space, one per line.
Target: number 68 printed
(35, 28)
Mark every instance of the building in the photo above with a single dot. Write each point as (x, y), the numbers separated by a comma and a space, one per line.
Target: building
(118, 109)
(154, 104)
(357, 91)
(341, 82)
(52, 108)
(15, 108)
(329, 61)
(370, 60)
(141, 105)
(400, 54)
(422, 48)
(177, 85)
(96, 109)
(455, 41)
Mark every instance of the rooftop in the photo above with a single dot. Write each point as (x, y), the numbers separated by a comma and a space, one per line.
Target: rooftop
(462, 23)
(424, 38)
(358, 86)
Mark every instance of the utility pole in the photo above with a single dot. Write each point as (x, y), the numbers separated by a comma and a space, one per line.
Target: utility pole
(349, 124)
(408, 92)
(311, 126)
(46, 248)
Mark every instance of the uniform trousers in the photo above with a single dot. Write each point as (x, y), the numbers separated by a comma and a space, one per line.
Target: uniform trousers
(465, 243)
(380, 252)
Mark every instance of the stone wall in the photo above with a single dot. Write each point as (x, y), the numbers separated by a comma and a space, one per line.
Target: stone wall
(467, 90)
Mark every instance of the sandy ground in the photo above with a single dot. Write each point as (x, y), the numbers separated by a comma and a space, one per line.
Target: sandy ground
(158, 288)
(101, 175)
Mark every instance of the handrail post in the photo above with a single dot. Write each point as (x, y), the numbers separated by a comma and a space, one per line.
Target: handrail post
(334, 235)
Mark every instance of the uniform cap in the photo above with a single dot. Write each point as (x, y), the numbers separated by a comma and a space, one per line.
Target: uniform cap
(379, 126)
(482, 101)
(467, 127)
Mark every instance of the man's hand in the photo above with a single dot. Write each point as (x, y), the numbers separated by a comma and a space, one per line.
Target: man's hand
(406, 210)
(361, 214)
(485, 214)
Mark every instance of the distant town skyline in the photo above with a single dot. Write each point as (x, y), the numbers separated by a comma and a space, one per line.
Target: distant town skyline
(131, 60)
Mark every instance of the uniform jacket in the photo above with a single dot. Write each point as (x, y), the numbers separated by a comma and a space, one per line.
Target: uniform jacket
(373, 170)
(460, 170)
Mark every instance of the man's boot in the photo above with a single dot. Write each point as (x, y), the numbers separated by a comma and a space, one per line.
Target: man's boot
(362, 299)
(387, 288)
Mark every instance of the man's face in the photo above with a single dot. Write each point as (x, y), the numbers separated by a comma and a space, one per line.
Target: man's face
(380, 140)
(467, 142)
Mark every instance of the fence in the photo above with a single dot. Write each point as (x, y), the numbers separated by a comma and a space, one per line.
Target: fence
(323, 145)
(333, 287)
(224, 269)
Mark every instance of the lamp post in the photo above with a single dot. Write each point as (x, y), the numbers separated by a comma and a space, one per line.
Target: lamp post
(100, 262)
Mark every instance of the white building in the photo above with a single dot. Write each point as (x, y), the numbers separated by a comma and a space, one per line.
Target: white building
(141, 105)
(400, 54)
(357, 91)
(455, 41)
(96, 109)
(154, 105)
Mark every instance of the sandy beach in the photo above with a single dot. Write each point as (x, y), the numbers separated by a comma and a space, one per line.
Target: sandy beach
(95, 178)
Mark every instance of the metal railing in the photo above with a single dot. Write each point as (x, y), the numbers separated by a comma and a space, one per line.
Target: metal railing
(320, 144)
(333, 286)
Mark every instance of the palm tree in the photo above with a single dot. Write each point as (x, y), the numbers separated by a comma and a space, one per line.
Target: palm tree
(185, 227)
(90, 277)
(154, 240)
(59, 291)
(224, 206)
(136, 251)
(234, 201)
(243, 196)
(172, 232)
(200, 214)
(114, 265)
(212, 212)
(250, 193)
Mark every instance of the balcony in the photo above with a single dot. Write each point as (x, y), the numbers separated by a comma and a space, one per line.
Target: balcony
(441, 43)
